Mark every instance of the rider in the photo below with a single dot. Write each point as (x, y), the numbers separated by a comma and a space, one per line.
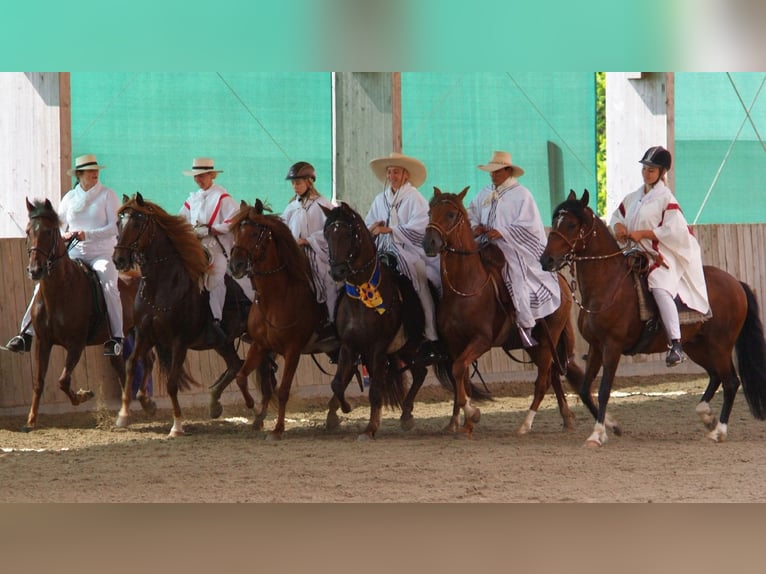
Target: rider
(506, 213)
(652, 217)
(397, 220)
(209, 210)
(88, 213)
(305, 219)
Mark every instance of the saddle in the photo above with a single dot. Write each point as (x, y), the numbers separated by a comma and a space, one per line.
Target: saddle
(493, 259)
(97, 294)
(640, 262)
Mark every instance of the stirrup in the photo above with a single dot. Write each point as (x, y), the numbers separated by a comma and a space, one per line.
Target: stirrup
(113, 348)
(527, 340)
(21, 343)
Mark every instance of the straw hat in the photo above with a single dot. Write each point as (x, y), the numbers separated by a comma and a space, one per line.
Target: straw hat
(501, 159)
(202, 165)
(85, 162)
(415, 167)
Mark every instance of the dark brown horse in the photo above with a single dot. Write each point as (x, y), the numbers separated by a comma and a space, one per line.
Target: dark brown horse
(171, 312)
(473, 317)
(284, 317)
(69, 308)
(611, 323)
(379, 318)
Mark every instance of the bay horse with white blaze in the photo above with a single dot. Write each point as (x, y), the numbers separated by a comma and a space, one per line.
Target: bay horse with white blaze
(171, 312)
(285, 314)
(69, 308)
(610, 319)
(475, 314)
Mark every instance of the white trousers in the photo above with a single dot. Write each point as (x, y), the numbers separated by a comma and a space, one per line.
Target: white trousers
(668, 312)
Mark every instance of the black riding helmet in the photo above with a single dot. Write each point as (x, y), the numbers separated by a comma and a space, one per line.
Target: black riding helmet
(301, 170)
(657, 156)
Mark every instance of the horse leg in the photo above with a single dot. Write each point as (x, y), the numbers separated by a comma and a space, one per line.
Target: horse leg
(42, 357)
(377, 369)
(566, 414)
(407, 421)
(257, 357)
(462, 400)
(283, 393)
(128, 372)
(233, 364)
(65, 380)
(143, 396)
(703, 408)
(731, 384)
(343, 375)
(267, 382)
(174, 376)
(611, 358)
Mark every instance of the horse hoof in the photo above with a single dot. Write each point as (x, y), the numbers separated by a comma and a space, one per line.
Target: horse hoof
(592, 443)
(476, 416)
(84, 395)
(215, 410)
(174, 433)
(345, 407)
(364, 437)
(523, 430)
(407, 423)
(333, 422)
(26, 428)
(273, 437)
(150, 407)
(122, 422)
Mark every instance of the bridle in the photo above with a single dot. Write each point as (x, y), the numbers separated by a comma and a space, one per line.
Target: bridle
(356, 240)
(265, 235)
(445, 233)
(135, 247)
(55, 253)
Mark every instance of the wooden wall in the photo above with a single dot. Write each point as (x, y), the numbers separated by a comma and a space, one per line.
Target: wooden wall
(737, 248)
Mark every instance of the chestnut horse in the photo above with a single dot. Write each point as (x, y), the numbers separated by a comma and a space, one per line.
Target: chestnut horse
(171, 308)
(69, 308)
(610, 319)
(472, 317)
(285, 314)
(379, 318)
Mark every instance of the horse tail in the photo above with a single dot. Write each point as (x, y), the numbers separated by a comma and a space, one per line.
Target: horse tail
(185, 380)
(751, 357)
(393, 391)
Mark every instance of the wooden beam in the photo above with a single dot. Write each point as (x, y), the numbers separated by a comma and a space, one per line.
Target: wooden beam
(670, 110)
(396, 110)
(65, 130)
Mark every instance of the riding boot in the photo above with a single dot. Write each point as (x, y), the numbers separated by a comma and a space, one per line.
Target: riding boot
(21, 343)
(218, 332)
(526, 337)
(113, 347)
(675, 354)
(428, 352)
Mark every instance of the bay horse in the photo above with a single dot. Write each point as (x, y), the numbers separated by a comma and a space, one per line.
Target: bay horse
(171, 311)
(69, 308)
(379, 319)
(285, 314)
(610, 319)
(472, 317)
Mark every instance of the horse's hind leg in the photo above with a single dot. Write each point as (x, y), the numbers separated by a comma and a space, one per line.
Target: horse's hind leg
(343, 375)
(65, 380)
(703, 408)
(283, 392)
(419, 372)
(233, 365)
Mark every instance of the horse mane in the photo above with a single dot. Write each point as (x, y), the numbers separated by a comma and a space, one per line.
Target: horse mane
(180, 234)
(290, 254)
(344, 212)
(45, 210)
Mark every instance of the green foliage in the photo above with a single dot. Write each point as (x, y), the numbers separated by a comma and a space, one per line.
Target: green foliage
(601, 142)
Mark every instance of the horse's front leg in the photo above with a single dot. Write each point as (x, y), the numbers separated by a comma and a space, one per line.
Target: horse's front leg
(283, 392)
(377, 369)
(65, 380)
(461, 375)
(175, 374)
(233, 364)
(347, 366)
(257, 358)
(42, 352)
(128, 373)
(611, 359)
(419, 372)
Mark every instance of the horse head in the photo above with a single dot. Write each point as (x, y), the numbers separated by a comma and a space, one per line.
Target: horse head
(446, 215)
(349, 242)
(135, 226)
(252, 237)
(573, 225)
(44, 243)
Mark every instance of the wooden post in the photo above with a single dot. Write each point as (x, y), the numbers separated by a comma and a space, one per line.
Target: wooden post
(65, 130)
(670, 110)
(396, 111)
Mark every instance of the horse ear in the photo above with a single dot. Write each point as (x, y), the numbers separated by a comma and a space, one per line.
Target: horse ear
(258, 206)
(585, 197)
(139, 198)
(437, 191)
(48, 204)
(572, 195)
(327, 210)
(243, 204)
(30, 207)
(461, 195)
(125, 198)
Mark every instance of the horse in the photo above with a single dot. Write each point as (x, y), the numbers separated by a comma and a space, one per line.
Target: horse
(610, 320)
(379, 318)
(69, 308)
(171, 311)
(285, 314)
(475, 315)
